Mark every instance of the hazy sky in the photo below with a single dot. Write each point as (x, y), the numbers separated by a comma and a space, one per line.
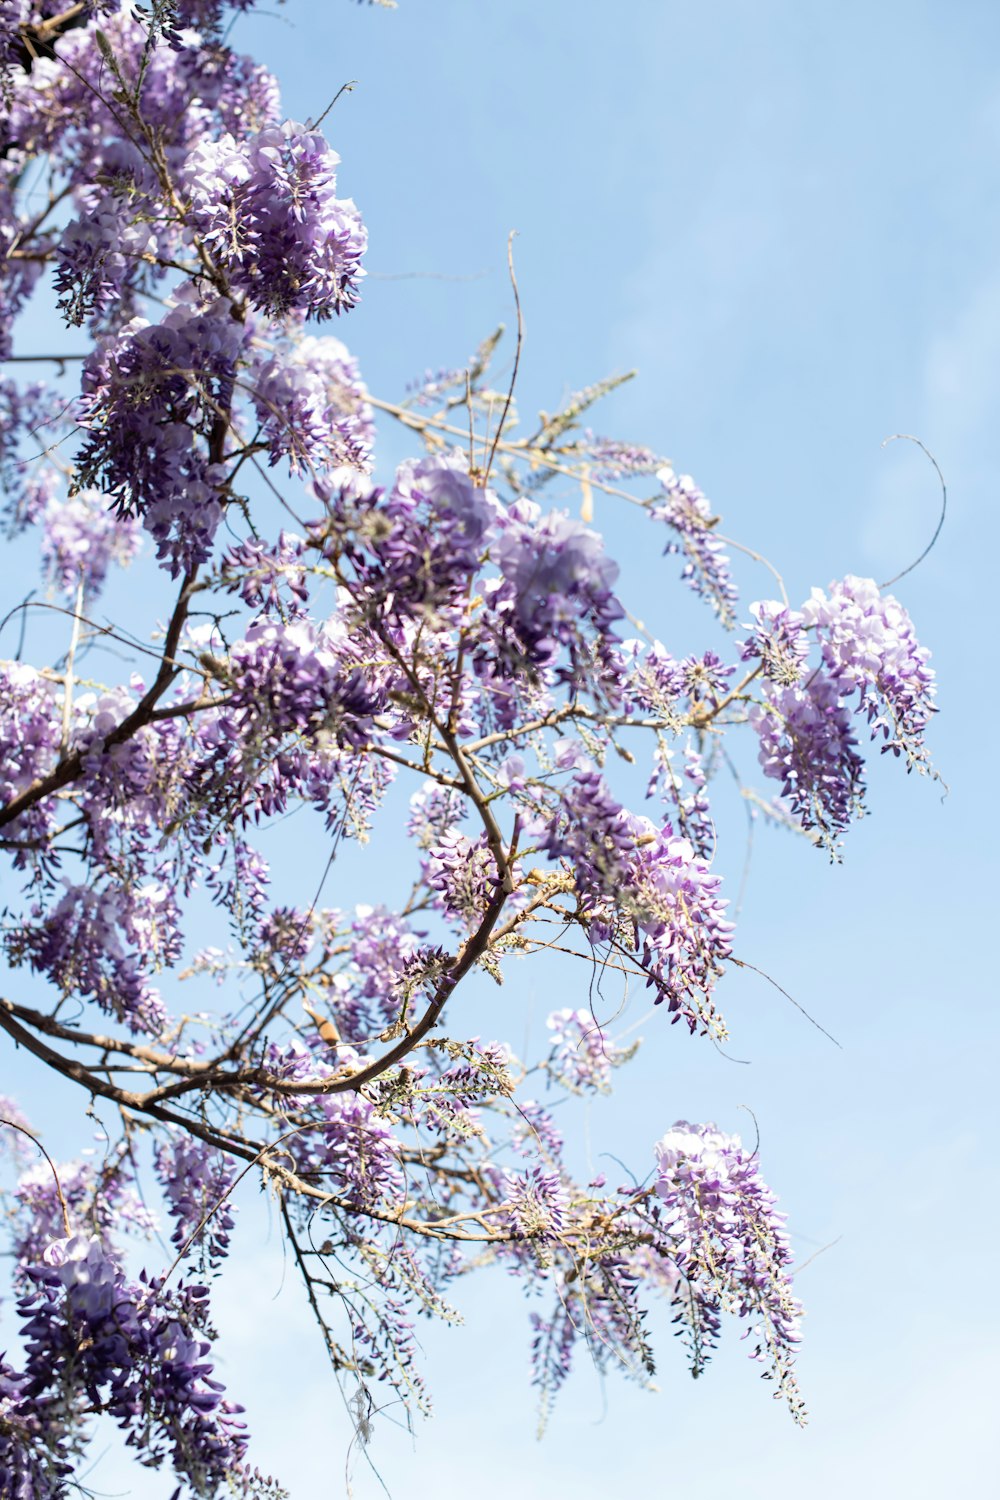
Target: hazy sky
(786, 216)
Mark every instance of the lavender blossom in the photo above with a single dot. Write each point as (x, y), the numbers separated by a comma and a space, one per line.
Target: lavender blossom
(807, 744)
(554, 579)
(82, 538)
(266, 207)
(778, 642)
(706, 568)
(729, 1242)
(581, 1057)
(869, 646)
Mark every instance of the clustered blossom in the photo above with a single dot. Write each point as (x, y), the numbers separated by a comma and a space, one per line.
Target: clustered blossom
(463, 873)
(581, 1057)
(706, 567)
(807, 743)
(686, 937)
(82, 538)
(196, 1179)
(614, 459)
(266, 207)
(729, 1242)
(268, 578)
(30, 418)
(30, 733)
(648, 892)
(434, 811)
(98, 254)
(369, 995)
(687, 794)
(555, 578)
(88, 1330)
(292, 677)
(92, 944)
(536, 1132)
(313, 408)
(779, 642)
(869, 647)
(149, 393)
(352, 1153)
(97, 1197)
(412, 552)
(536, 1203)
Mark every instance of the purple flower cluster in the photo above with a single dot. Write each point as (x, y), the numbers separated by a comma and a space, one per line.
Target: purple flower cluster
(353, 1153)
(614, 459)
(149, 393)
(93, 943)
(30, 418)
(266, 208)
(676, 904)
(535, 1204)
(648, 893)
(91, 1336)
(98, 1197)
(536, 1132)
(268, 578)
(292, 678)
(195, 1178)
(595, 835)
(729, 1243)
(435, 810)
(686, 794)
(30, 731)
(580, 1056)
(463, 873)
(706, 567)
(807, 743)
(414, 551)
(372, 990)
(555, 578)
(869, 646)
(98, 255)
(82, 537)
(313, 408)
(779, 642)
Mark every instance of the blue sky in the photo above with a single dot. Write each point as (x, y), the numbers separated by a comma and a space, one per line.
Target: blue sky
(787, 218)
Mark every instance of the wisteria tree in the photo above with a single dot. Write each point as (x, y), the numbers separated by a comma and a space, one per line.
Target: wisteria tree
(346, 643)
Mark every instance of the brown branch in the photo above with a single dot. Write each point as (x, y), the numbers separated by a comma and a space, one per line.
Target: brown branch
(70, 766)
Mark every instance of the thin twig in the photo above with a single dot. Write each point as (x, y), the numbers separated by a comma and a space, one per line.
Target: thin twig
(517, 357)
(907, 437)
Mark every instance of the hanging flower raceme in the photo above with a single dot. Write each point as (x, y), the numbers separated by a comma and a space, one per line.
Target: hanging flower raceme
(292, 677)
(99, 254)
(266, 208)
(82, 538)
(555, 580)
(196, 1179)
(648, 893)
(706, 567)
(581, 1056)
(91, 944)
(807, 743)
(137, 1349)
(779, 642)
(727, 1239)
(30, 736)
(869, 647)
(270, 578)
(412, 553)
(313, 408)
(149, 394)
